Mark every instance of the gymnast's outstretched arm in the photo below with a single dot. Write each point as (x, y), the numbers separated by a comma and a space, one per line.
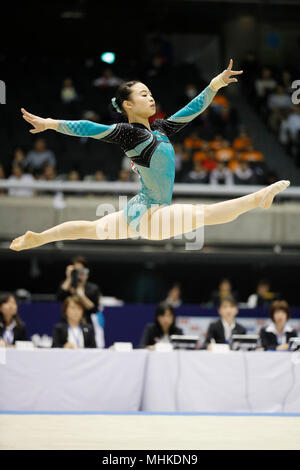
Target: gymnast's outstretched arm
(198, 104)
(80, 128)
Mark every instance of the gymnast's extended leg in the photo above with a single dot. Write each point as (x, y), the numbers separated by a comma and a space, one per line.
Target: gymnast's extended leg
(110, 227)
(177, 219)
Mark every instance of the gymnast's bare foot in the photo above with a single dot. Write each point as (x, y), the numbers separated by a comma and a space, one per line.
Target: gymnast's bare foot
(29, 240)
(265, 196)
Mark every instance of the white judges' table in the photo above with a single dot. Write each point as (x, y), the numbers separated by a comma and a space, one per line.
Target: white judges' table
(72, 380)
(106, 380)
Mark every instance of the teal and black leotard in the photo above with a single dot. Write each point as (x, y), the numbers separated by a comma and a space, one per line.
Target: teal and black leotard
(150, 150)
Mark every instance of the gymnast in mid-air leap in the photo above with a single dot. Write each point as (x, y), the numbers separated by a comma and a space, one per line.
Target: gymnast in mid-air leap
(150, 213)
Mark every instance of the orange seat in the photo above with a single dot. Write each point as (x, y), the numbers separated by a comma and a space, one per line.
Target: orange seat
(224, 154)
(191, 143)
(241, 142)
(199, 156)
(252, 156)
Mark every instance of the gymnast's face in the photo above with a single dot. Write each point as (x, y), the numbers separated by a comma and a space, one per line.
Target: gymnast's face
(141, 102)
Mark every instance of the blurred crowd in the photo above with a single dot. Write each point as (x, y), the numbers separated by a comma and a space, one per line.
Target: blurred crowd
(197, 160)
(274, 93)
(213, 149)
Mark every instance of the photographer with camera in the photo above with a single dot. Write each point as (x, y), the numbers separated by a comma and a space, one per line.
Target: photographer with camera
(76, 283)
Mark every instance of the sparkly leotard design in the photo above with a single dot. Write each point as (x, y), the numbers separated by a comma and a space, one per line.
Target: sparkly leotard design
(150, 151)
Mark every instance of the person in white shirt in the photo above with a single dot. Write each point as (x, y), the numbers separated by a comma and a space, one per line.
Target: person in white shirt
(174, 295)
(263, 296)
(107, 80)
(221, 175)
(290, 127)
(278, 103)
(276, 335)
(19, 177)
(265, 83)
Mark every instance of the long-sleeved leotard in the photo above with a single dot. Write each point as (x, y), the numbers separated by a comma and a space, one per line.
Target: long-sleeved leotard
(150, 150)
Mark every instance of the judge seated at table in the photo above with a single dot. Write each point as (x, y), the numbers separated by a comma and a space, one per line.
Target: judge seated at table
(221, 330)
(12, 328)
(73, 331)
(162, 328)
(277, 334)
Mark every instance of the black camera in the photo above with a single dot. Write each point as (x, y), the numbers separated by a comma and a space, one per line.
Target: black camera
(74, 278)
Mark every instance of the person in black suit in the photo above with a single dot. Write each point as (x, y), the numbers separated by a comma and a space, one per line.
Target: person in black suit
(73, 331)
(76, 283)
(276, 335)
(222, 330)
(162, 328)
(12, 328)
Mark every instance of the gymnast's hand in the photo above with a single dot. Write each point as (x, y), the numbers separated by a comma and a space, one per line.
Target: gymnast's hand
(39, 124)
(224, 78)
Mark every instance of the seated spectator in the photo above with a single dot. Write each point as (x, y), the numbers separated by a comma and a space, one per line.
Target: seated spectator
(242, 141)
(99, 175)
(76, 283)
(290, 127)
(163, 327)
(243, 174)
(40, 156)
(252, 155)
(279, 99)
(199, 155)
(221, 175)
(278, 104)
(49, 173)
(174, 296)
(263, 296)
(73, 175)
(68, 92)
(124, 175)
(19, 176)
(193, 141)
(107, 79)
(276, 335)
(235, 162)
(73, 331)
(209, 163)
(224, 290)
(222, 330)
(265, 83)
(12, 328)
(217, 143)
(197, 175)
(19, 157)
(225, 153)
